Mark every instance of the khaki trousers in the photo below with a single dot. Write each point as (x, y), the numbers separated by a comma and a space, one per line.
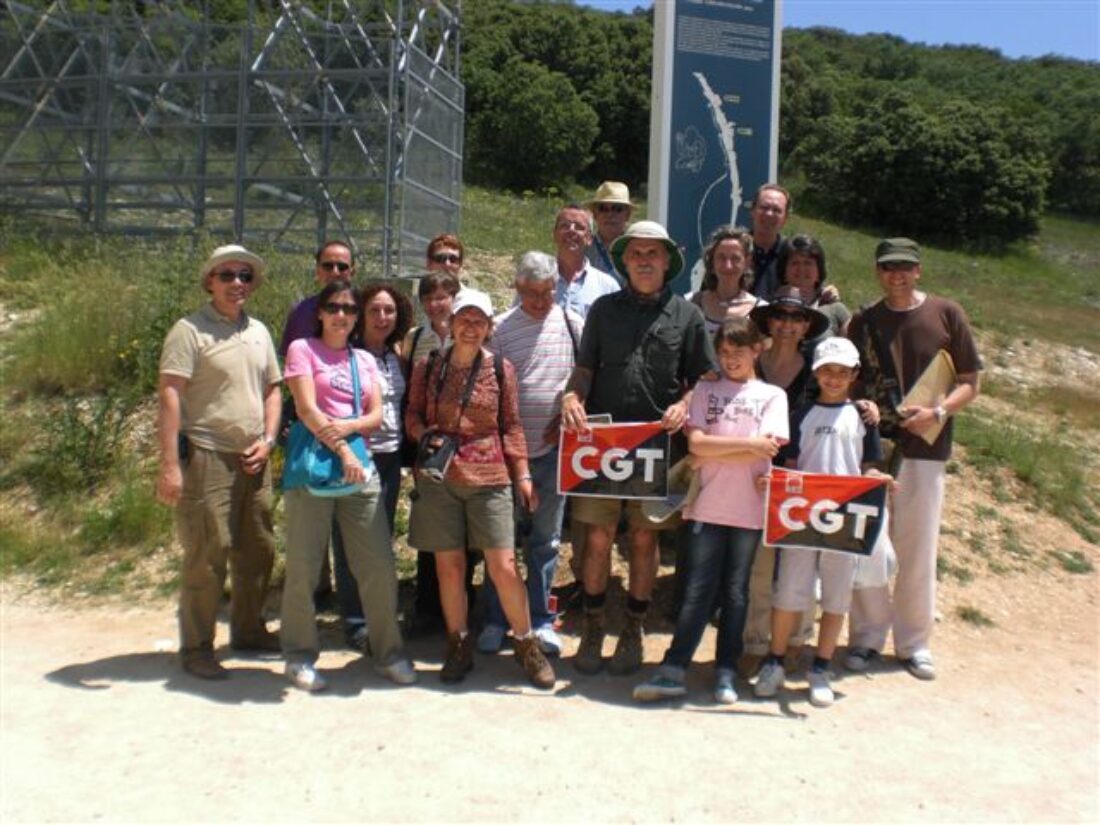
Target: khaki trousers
(369, 550)
(758, 626)
(915, 516)
(223, 517)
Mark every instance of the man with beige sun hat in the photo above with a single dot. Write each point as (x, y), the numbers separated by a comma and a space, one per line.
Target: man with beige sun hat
(612, 209)
(217, 422)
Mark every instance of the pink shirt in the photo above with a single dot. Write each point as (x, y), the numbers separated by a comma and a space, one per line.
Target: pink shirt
(332, 375)
(728, 495)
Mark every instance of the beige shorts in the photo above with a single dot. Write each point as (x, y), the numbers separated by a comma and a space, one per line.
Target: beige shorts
(608, 511)
(451, 516)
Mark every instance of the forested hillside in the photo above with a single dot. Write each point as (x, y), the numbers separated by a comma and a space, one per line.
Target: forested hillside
(962, 143)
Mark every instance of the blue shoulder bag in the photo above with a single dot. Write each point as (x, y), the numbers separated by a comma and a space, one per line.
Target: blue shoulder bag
(312, 465)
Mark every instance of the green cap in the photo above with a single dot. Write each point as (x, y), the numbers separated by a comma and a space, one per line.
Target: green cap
(897, 249)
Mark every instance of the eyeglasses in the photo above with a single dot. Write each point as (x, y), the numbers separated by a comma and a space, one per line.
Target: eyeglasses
(228, 276)
(615, 208)
(446, 258)
(339, 266)
(335, 308)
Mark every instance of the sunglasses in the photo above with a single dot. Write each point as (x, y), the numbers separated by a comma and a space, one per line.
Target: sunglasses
(616, 208)
(334, 308)
(228, 276)
(339, 266)
(897, 266)
(790, 316)
(446, 258)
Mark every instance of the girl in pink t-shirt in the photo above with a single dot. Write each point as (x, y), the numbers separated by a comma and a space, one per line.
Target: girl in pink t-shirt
(736, 425)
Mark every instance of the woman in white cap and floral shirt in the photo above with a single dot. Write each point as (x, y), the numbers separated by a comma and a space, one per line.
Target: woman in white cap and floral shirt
(464, 410)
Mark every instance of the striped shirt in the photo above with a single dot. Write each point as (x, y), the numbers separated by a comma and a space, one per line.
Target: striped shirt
(542, 352)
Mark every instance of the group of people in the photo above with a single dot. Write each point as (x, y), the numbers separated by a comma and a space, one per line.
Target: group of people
(762, 366)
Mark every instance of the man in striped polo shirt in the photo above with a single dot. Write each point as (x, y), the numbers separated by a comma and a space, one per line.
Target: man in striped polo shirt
(540, 338)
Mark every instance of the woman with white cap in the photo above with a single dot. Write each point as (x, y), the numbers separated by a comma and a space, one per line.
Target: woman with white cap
(464, 411)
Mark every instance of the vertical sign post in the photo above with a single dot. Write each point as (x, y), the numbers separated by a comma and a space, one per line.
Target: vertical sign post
(714, 126)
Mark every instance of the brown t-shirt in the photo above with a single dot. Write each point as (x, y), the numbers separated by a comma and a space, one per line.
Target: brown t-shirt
(914, 337)
(483, 458)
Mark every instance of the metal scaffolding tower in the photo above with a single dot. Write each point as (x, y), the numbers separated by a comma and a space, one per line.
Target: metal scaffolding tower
(330, 118)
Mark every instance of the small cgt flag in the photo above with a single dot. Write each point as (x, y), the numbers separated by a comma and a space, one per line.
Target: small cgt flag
(813, 511)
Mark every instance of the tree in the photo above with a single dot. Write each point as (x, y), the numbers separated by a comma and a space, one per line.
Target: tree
(532, 128)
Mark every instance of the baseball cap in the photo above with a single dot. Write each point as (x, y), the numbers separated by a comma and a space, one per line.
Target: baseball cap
(836, 351)
(469, 297)
(897, 249)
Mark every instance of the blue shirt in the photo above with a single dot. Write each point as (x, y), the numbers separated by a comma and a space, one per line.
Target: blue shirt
(580, 293)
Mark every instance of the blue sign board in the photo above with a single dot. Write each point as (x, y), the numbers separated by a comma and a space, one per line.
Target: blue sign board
(714, 128)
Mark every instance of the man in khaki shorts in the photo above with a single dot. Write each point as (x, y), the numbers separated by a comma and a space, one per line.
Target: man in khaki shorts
(219, 382)
(642, 351)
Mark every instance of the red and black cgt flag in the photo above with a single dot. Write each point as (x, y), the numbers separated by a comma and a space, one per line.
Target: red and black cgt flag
(814, 511)
(615, 461)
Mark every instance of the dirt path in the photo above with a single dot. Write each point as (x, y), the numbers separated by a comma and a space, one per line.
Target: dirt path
(99, 724)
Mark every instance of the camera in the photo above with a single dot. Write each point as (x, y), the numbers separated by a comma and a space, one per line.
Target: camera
(435, 453)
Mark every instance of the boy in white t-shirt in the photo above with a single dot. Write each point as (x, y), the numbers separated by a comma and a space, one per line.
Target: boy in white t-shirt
(736, 425)
(827, 436)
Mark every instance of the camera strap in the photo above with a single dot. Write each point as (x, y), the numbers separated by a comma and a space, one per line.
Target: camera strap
(468, 390)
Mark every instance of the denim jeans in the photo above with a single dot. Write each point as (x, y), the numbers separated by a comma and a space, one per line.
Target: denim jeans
(718, 575)
(542, 538)
(387, 466)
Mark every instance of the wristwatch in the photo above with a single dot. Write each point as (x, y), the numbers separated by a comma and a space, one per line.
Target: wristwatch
(270, 442)
(940, 412)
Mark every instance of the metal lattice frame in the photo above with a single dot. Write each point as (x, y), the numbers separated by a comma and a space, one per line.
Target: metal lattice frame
(305, 123)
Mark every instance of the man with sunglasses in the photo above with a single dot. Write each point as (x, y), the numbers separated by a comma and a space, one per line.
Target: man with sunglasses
(219, 390)
(612, 210)
(899, 337)
(334, 261)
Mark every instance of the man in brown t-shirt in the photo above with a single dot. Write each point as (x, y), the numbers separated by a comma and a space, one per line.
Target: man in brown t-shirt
(912, 327)
(219, 389)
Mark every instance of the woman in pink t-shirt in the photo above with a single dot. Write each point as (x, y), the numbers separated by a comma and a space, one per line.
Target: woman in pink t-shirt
(318, 372)
(736, 425)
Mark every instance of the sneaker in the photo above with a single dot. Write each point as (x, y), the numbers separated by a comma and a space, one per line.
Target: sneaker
(460, 658)
(724, 691)
(549, 640)
(860, 658)
(305, 677)
(400, 672)
(821, 692)
(205, 666)
(628, 652)
(534, 662)
(491, 638)
(921, 666)
(661, 686)
(589, 658)
(770, 680)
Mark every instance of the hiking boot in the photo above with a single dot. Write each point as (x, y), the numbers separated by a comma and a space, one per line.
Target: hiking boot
(821, 692)
(263, 642)
(589, 658)
(770, 680)
(204, 666)
(628, 652)
(460, 658)
(533, 661)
